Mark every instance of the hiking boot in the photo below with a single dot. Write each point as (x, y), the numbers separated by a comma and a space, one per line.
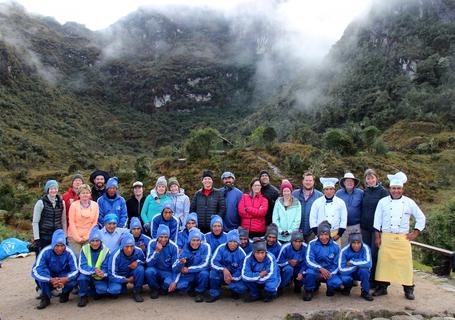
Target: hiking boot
(330, 292)
(235, 295)
(366, 295)
(137, 296)
(346, 291)
(154, 294)
(45, 301)
(212, 299)
(409, 292)
(199, 298)
(64, 297)
(82, 301)
(380, 291)
(250, 299)
(269, 298)
(308, 295)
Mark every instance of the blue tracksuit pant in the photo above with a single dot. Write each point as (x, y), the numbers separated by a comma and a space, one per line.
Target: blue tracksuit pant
(46, 287)
(90, 286)
(217, 279)
(289, 273)
(116, 288)
(156, 278)
(313, 276)
(362, 274)
(197, 280)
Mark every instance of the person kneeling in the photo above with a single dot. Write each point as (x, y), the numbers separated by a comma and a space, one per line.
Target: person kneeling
(355, 264)
(227, 262)
(260, 271)
(55, 268)
(93, 268)
(292, 262)
(322, 262)
(162, 253)
(126, 266)
(193, 265)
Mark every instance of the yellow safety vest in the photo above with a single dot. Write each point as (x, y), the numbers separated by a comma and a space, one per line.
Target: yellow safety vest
(88, 254)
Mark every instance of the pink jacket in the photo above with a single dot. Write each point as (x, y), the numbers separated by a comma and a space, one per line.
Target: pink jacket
(82, 220)
(252, 212)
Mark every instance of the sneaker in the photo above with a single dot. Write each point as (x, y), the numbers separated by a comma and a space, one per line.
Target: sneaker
(409, 295)
(199, 298)
(212, 299)
(64, 297)
(45, 301)
(137, 296)
(82, 301)
(308, 295)
(366, 295)
(154, 294)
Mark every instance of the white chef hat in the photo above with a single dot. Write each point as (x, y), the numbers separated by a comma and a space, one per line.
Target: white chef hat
(398, 179)
(328, 182)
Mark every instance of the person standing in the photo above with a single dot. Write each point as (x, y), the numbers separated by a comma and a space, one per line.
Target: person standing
(83, 216)
(307, 194)
(136, 202)
(393, 238)
(98, 179)
(270, 192)
(232, 197)
(72, 194)
(253, 208)
(352, 197)
(208, 201)
(179, 200)
(154, 203)
(49, 214)
(374, 191)
(287, 212)
(329, 208)
(112, 203)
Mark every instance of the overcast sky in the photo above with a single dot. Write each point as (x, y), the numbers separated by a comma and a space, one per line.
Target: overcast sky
(314, 24)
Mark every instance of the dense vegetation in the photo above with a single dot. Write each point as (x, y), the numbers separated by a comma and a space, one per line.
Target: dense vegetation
(176, 95)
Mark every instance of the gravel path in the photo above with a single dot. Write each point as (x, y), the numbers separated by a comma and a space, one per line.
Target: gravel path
(18, 302)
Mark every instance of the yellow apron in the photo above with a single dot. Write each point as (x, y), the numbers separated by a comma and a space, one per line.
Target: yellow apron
(395, 260)
(333, 233)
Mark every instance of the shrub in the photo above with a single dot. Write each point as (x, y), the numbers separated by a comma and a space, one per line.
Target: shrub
(338, 140)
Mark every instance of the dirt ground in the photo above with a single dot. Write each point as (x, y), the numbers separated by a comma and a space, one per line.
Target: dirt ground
(18, 301)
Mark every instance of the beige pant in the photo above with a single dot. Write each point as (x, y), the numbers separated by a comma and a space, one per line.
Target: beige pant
(75, 246)
(349, 229)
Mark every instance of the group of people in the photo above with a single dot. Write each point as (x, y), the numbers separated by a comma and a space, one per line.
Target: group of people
(92, 241)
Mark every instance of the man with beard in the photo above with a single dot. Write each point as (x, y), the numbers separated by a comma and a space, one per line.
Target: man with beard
(232, 197)
(98, 178)
(306, 195)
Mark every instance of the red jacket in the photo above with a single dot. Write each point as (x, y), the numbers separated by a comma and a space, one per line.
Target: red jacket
(253, 211)
(69, 197)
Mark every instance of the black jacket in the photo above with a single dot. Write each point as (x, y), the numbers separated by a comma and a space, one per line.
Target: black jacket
(371, 197)
(206, 207)
(271, 193)
(134, 208)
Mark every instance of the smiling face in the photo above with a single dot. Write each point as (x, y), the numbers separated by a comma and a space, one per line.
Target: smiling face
(174, 189)
(256, 187)
(95, 244)
(349, 184)
(371, 180)
(163, 239)
(167, 214)
(99, 181)
(110, 227)
(271, 239)
(287, 193)
(190, 224)
(76, 184)
(244, 242)
(396, 192)
(59, 249)
(329, 192)
(265, 179)
(138, 191)
(228, 181)
(324, 237)
(308, 183)
(207, 182)
(111, 192)
(217, 228)
(53, 191)
(84, 196)
(160, 189)
(195, 243)
(232, 245)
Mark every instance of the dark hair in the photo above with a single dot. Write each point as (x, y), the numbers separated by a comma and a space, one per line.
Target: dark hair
(255, 179)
